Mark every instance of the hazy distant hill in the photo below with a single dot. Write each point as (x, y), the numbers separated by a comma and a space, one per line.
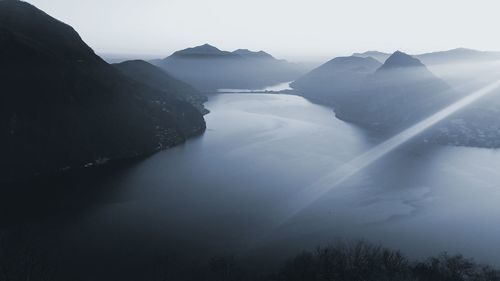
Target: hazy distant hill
(458, 55)
(255, 55)
(398, 94)
(208, 68)
(380, 56)
(464, 69)
(337, 79)
(154, 77)
(62, 106)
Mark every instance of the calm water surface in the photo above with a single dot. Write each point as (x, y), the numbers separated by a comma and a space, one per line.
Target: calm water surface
(226, 191)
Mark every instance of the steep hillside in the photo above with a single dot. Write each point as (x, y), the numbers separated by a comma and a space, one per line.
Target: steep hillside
(154, 77)
(61, 106)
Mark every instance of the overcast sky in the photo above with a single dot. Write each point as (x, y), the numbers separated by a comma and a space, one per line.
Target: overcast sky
(290, 29)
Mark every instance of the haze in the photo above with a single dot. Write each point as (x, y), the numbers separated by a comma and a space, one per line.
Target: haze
(296, 30)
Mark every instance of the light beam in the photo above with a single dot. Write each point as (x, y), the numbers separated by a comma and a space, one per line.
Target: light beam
(312, 193)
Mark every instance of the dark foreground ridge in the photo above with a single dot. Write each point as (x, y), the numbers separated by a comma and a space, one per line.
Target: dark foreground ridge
(62, 106)
(23, 258)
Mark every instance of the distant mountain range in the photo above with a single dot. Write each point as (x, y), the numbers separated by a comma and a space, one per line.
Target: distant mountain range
(397, 94)
(386, 97)
(458, 55)
(207, 68)
(62, 106)
(464, 69)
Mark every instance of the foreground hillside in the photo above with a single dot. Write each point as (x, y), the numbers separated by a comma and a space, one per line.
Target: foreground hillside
(61, 106)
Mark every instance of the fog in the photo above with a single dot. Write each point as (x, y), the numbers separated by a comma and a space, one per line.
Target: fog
(294, 30)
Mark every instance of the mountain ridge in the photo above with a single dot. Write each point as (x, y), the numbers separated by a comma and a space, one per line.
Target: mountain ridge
(208, 68)
(62, 106)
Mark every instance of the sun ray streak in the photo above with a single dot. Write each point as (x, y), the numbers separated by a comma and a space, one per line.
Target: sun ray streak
(319, 188)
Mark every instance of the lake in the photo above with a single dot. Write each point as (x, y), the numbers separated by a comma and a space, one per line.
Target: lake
(229, 191)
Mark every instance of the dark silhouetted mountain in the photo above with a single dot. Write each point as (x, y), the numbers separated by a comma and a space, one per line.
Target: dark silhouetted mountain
(62, 106)
(208, 68)
(154, 77)
(399, 94)
(336, 80)
(380, 56)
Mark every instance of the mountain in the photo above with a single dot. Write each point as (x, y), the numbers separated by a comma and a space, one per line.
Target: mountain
(204, 51)
(62, 106)
(461, 68)
(398, 94)
(337, 79)
(380, 56)
(154, 77)
(249, 54)
(459, 55)
(464, 69)
(401, 61)
(207, 68)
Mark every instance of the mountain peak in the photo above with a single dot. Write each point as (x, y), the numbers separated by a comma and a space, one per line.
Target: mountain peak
(401, 60)
(202, 49)
(26, 20)
(205, 50)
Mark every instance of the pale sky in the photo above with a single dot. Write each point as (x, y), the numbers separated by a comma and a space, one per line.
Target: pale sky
(290, 29)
